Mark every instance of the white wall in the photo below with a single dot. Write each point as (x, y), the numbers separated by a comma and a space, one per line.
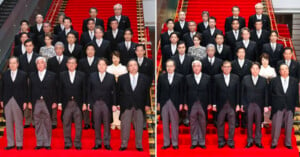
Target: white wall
(286, 6)
(149, 12)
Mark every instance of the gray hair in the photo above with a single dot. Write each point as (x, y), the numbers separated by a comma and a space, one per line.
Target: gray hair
(59, 43)
(205, 13)
(210, 46)
(118, 5)
(41, 58)
(181, 12)
(196, 62)
(257, 5)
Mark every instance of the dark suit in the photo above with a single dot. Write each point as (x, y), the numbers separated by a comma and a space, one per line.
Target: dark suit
(254, 97)
(18, 36)
(265, 19)
(104, 50)
(231, 41)
(274, 56)
(178, 28)
(264, 38)
(185, 67)
(251, 50)
(147, 68)
(34, 30)
(201, 27)
(25, 66)
(114, 41)
(57, 29)
(209, 69)
(123, 24)
(226, 53)
(164, 39)
(283, 107)
(188, 40)
(170, 96)
(207, 38)
(77, 52)
(54, 66)
(241, 71)
(18, 50)
(98, 22)
(229, 20)
(85, 38)
(294, 69)
(167, 54)
(126, 55)
(63, 37)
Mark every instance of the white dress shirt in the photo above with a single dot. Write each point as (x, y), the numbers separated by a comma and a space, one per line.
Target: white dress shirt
(67, 31)
(205, 24)
(115, 33)
(99, 42)
(133, 80)
(181, 24)
(227, 79)
(71, 47)
(170, 31)
(127, 44)
(258, 33)
(241, 62)
(140, 60)
(273, 46)
(220, 48)
(13, 75)
(173, 48)
(39, 27)
(23, 49)
(285, 83)
(212, 31)
(258, 17)
(254, 79)
(211, 60)
(42, 74)
(246, 43)
(91, 33)
(288, 62)
(170, 77)
(236, 34)
(72, 76)
(62, 27)
(29, 56)
(192, 34)
(118, 18)
(198, 77)
(101, 76)
(90, 60)
(181, 58)
(60, 58)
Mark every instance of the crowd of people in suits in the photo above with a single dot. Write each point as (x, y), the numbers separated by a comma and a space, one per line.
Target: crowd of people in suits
(242, 75)
(103, 75)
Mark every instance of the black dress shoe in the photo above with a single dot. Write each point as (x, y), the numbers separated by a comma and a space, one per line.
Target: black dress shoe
(9, 147)
(221, 145)
(231, 146)
(67, 147)
(202, 146)
(165, 147)
(26, 126)
(108, 147)
(259, 145)
(175, 147)
(249, 145)
(19, 148)
(289, 147)
(273, 147)
(78, 148)
(86, 127)
(48, 147)
(140, 149)
(122, 148)
(97, 147)
(193, 146)
(54, 126)
(38, 147)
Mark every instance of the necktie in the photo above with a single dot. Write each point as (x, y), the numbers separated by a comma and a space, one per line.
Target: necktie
(285, 85)
(101, 77)
(219, 48)
(91, 35)
(210, 61)
(133, 82)
(236, 34)
(13, 76)
(127, 46)
(59, 59)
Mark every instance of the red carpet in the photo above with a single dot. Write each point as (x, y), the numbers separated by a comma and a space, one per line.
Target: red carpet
(88, 138)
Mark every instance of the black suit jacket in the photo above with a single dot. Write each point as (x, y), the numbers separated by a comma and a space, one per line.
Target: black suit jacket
(188, 40)
(17, 38)
(164, 39)
(293, 68)
(46, 89)
(280, 100)
(123, 24)
(85, 38)
(226, 53)
(183, 30)
(114, 41)
(147, 68)
(104, 50)
(99, 22)
(208, 38)
(167, 91)
(167, 54)
(63, 37)
(18, 50)
(126, 55)
(55, 67)
(25, 66)
(274, 56)
(72, 91)
(251, 50)
(77, 52)
(84, 66)
(186, 67)
(17, 89)
(138, 98)
(223, 94)
(265, 19)
(251, 93)
(229, 20)
(209, 69)
(57, 29)
(198, 92)
(231, 41)
(201, 28)
(34, 30)
(264, 38)
(241, 71)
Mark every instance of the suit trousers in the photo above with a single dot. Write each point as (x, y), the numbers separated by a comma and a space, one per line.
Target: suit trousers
(226, 111)
(198, 124)
(54, 116)
(286, 117)
(102, 115)
(254, 113)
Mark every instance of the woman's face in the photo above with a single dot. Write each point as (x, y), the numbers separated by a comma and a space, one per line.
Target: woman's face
(196, 41)
(116, 60)
(48, 41)
(264, 62)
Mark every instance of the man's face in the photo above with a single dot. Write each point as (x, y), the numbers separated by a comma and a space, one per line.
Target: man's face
(67, 23)
(174, 39)
(170, 25)
(255, 70)
(182, 16)
(170, 66)
(29, 47)
(205, 17)
(71, 38)
(71, 64)
(287, 54)
(235, 12)
(140, 52)
(91, 25)
(245, 35)
(258, 25)
(24, 26)
(41, 65)
(59, 50)
(114, 25)
(273, 37)
(93, 13)
(284, 70)
(46, 27)
(181, 49)
(226, 68)
(241, 54)
(102, 66)
(212, 23)
(219, 39)
(118, 11)
(259, 10)
(192, 26)
(197, 68)
(132, 67)
(23, 38)
(90, 51)
(98, 34)
(235, 25)
(13, 64)
(128, 36)
(210, 51)
(39, 19)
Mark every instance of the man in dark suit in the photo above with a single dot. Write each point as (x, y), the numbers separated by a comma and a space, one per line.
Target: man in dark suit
(133, 94)
(273, 49)
(223, 51)
(259, 8)
(123, 20)
(165, 37)
(170, 101)
(60, 25)
(254, 99)
(260, 36)
(183, 62)
(170, 50)
(233, 36)
(42, 99)
(209, 35)
(20, 49)
(197, 99)
(14, 94)
(250, 46)
(88, 65)
(284, 99)
(145, 64)
(24, 28)
(37, 28)
(226, 91)
(188, 37)
(93, 15)
(71, 98)
(88, 35)
(62, 36)
(72, 48)
(181, 25)
(235, 15)
(294, 70)
(114, 35)
(127, 48)
(102, 100)
(103, 47)
(27, 64)
(204, 24)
